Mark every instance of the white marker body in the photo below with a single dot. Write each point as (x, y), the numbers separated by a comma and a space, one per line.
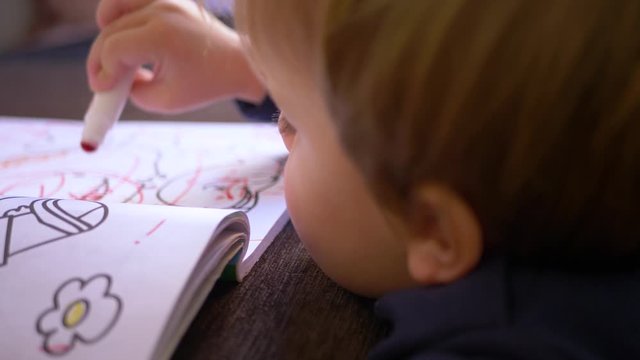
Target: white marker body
(104, 111)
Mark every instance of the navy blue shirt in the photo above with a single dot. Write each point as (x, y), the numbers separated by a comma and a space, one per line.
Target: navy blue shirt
(503, 311)
(266, 111)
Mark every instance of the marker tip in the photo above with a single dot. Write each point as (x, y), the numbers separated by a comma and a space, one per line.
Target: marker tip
(88, 147)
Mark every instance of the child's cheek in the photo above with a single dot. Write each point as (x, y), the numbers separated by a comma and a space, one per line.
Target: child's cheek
(304, 204)
(292, 196)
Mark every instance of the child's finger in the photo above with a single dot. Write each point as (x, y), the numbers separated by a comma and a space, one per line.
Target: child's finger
(95, 58)
(110, 10)
(94, 67)
(118, 54)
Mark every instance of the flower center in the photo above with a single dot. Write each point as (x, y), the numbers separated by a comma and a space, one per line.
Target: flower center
(75, 313)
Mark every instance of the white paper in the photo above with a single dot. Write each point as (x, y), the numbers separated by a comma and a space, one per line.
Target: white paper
(83, 287)
(214, 165)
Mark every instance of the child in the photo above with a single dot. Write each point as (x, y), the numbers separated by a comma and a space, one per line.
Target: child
(472, 162)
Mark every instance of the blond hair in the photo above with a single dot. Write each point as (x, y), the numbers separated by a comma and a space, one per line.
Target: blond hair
(527, 109)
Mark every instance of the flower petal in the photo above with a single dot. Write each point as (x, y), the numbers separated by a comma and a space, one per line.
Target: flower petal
(59, 342)
(96, 287)
(50, 321)
(68, 293)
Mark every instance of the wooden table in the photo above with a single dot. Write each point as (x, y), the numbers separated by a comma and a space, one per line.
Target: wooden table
(285, 309)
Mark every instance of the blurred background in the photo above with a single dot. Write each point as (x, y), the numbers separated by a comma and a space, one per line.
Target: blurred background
(43, 46)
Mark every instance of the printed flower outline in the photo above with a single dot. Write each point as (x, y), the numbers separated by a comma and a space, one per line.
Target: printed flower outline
(83, 311)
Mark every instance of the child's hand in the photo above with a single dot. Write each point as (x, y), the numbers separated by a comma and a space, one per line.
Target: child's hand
(195, 59)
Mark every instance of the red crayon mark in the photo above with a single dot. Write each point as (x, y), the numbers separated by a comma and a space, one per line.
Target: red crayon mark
(153, 230)
(127, 178)
(95, 194)
(150, 232)
(56, 349)
(88, 147)
(190, 184)
(231, 183)
(105, 188)
(27, 181)
(24, 159)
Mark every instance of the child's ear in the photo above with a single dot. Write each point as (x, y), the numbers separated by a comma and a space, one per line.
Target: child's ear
(445, 239)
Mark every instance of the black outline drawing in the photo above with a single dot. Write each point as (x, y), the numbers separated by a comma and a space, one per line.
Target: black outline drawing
(49, 213)
(76, 337)
(250, 193)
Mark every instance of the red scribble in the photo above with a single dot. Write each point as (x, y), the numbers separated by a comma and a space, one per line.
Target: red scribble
(60, 185)
(24, 159)
(95, 194)
(243, 182)
(127, 177)
(190, 184)
(37, 179)
(9, 188)
(56, 349)
(232, 182)
(153, 230)
(150, 232)
(23, 182)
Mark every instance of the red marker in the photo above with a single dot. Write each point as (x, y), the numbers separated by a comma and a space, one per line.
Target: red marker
(104, 111)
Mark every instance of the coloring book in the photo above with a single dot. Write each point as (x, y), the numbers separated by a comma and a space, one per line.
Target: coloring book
(110, 254)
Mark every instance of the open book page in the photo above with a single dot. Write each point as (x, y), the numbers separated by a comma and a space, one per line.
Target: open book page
(214, 165)
(91, 280)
